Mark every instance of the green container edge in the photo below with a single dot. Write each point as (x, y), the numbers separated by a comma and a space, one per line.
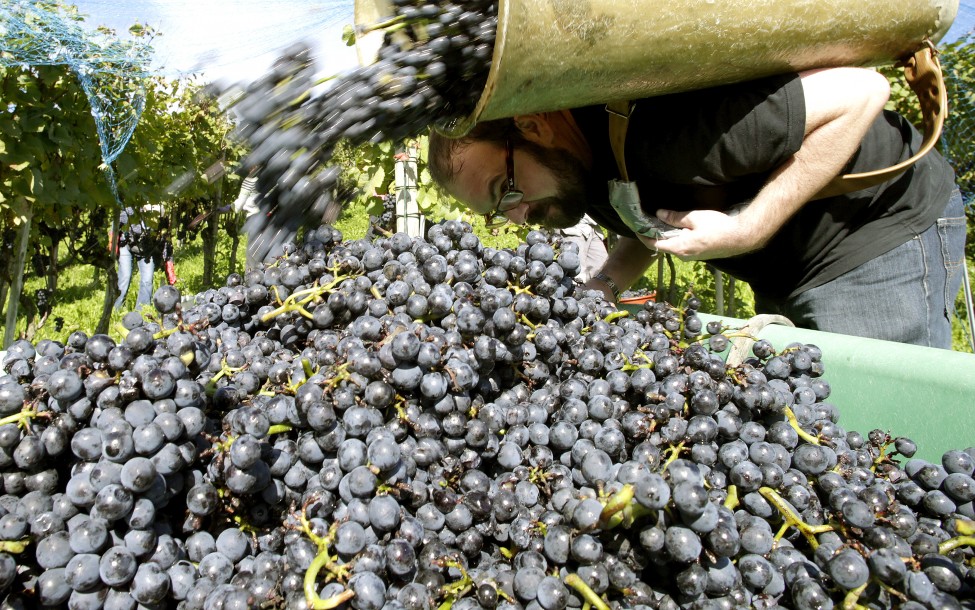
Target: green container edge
(923, 393)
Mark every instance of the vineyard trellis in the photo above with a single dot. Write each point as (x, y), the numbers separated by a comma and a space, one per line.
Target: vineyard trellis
(111, 73)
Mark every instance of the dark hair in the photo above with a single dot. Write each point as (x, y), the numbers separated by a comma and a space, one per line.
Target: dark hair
(441, 150)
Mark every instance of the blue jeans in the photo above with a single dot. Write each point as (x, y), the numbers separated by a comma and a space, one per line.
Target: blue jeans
(906, 295)
(146, 269)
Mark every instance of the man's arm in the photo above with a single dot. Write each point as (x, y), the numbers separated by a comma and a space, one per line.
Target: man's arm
(841, 104)
(625, 264)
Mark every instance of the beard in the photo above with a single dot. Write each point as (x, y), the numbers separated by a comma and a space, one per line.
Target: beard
(576, 188)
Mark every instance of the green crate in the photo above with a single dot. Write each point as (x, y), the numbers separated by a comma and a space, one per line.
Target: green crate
(923, 393)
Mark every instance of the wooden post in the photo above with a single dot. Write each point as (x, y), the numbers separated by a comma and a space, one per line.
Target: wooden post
(17, 284)
(111, 279)
(718, 291)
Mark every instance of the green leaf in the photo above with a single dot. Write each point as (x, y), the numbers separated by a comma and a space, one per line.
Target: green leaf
(374, 182)
(348, 35)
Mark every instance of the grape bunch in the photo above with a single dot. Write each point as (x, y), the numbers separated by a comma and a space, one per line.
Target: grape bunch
(42, 300)
(409, 424)
(385, 223)
(431, 68)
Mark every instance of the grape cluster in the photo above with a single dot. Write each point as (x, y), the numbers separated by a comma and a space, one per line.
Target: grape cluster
(385, 223)
(42, 300)
(407, 424)
(432, 67)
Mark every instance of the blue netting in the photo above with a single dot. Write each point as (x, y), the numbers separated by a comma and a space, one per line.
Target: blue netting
(111, 72)
(958, 138)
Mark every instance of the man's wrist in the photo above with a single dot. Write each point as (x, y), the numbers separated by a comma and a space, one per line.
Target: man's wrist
(602, 277)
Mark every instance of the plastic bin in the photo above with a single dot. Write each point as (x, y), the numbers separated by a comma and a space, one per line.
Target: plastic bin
(923, 393)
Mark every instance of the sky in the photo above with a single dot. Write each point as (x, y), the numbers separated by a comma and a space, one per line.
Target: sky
(237, 40)
(964, 22)
(232, 41)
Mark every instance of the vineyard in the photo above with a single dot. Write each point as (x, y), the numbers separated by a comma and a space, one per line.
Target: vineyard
(339, 415)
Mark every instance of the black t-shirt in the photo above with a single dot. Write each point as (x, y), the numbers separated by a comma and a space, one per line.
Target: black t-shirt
(715, 148)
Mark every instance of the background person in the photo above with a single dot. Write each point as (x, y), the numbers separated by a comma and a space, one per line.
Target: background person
(135, 242)
(883, 262)
(592, 246)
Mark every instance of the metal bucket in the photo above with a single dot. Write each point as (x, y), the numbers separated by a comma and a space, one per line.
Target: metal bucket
(556, 54)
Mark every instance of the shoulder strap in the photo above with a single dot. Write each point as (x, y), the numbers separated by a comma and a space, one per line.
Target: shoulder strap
(923, 73)
(619, 119)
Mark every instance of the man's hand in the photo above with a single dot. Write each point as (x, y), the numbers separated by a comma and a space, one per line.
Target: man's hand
(707, 234)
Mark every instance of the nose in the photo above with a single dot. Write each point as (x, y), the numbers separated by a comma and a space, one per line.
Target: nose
(519, 214)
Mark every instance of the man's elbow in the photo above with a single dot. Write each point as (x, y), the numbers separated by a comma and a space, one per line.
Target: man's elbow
(877, 90)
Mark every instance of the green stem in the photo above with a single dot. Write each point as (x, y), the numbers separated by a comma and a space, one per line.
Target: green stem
(953, 543)
(616, 503)
(850, 602)
(616, 315)
(311, 595)
(14, 546)
(674, 453)
(628, 516)
(792, 518)
(731, 502)
(809, 438)
(381, 25)
(585, 591)
(18, 418)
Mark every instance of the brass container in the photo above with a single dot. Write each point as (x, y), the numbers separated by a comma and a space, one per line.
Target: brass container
(556, 54)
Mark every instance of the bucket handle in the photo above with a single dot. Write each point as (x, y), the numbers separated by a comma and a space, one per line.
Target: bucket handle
(923, 73)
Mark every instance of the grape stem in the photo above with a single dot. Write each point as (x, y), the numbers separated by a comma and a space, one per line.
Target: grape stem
(627, 517)
(455, 590)
(731, 502)
(674, 452)
(322, 559)
(574, 581)
(953, 543)
(14, 546)
(20, 419)
(311, 595)
(616, 504)
(381, 25)
(850, 602)
(297, 300)
(616, 315)
(794, 422)
(792, 519)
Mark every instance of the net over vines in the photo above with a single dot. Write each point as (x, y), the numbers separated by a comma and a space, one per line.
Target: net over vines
(958, 139)
(111, 72)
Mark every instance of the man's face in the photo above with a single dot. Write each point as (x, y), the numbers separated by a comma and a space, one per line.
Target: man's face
(557, 186)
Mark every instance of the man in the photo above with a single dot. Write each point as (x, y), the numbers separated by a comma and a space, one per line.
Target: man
(882, 262)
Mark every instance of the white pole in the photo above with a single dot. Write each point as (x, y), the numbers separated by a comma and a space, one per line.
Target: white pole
(408, 217)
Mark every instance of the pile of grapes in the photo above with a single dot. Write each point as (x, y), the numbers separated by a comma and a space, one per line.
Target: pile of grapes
(431, 68)
(409, 424)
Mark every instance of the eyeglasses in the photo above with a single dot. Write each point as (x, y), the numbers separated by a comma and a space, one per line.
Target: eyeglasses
(510, 196)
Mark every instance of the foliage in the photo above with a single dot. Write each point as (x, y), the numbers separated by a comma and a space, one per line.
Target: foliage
(371, 167)
(180, 154)
(51, 154)
(958, 140)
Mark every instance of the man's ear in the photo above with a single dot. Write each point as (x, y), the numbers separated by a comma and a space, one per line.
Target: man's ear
(536, 128)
